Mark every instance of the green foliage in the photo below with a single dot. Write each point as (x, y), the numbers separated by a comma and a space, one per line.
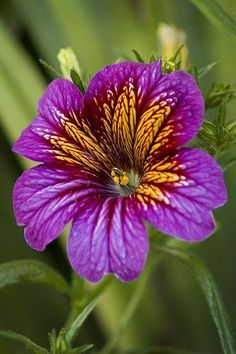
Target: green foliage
(211, 293)
(80, 320)
(218, 94)
(138, 56)
(173, 63)
(218, 135)
(131, 307)
(31, 346)
(28, 270)
(217, 12)
(59, 344)
(49, 68)
(75, 77)
(206, 69)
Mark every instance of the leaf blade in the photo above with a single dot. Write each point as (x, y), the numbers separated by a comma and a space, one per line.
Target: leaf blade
(218, 14)
(210, 290)
(80, 319)
(24, 340)
(33, 271)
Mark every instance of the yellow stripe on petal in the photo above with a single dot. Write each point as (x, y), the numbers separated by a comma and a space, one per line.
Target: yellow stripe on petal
(148, 129)
(124, 121)
(69, 152)
(161, 177)
(86, 139)
(149, 194)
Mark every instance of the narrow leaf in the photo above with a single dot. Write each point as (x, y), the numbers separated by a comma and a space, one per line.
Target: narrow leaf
(33, 271)
(50, 68)
(80, 319)
(82, 349)
(211, 293)
(33, 347)
(205, 70)
(218, 14)
(230, 163)
(137, 56)
(77, 80)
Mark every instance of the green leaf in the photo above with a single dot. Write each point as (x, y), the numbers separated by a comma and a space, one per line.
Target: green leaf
(137, 56)
(82, 349)
(33, 347)
(218, 94)
(50, 68)
(193, 70)
(228, 164)
(205, 69)
(211, 293)
(80, 319)
(33, 271)
(77, 80)
(218, 14)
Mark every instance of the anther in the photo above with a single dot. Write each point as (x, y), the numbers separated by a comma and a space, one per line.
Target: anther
(119, 176)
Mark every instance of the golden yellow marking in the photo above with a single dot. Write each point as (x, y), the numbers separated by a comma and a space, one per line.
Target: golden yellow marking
(146, 192)
(70, 152)
(124, 120)
(89, 143)
(148, 127)
(107, 111)
(161, 177)
(119, 176)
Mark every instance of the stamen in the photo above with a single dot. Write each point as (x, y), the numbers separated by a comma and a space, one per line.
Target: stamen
(125, 182)
(119, 176)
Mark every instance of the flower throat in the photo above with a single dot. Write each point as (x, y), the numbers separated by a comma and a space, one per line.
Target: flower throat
(125, 182)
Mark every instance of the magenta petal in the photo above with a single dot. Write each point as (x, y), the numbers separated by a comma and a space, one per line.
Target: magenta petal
(46, 198)
(109, 82)
(61, 99)
(181, 91)
(108, 236)
(186, 211)
(34, 141)
(119, 90)
(162, 111)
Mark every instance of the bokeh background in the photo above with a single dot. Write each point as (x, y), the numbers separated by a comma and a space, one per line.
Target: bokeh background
(173, 310)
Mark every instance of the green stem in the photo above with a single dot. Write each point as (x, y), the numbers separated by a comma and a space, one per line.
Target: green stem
(211, 292)
(130, 309)
(78, 304)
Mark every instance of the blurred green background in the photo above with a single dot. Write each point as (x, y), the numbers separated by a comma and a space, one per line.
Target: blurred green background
(173, 310)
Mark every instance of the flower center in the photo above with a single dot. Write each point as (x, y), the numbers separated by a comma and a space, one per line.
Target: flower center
(125, 182)
(119, 176)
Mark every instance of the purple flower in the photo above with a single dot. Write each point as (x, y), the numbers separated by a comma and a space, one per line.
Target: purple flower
(111, 159)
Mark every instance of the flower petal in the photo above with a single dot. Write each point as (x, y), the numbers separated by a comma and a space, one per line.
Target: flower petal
(46, 198)
(107, 236)
(137, 111)
(178, 193)
(61, 99)
(173, 117)
(114, 101)
(59, 133)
